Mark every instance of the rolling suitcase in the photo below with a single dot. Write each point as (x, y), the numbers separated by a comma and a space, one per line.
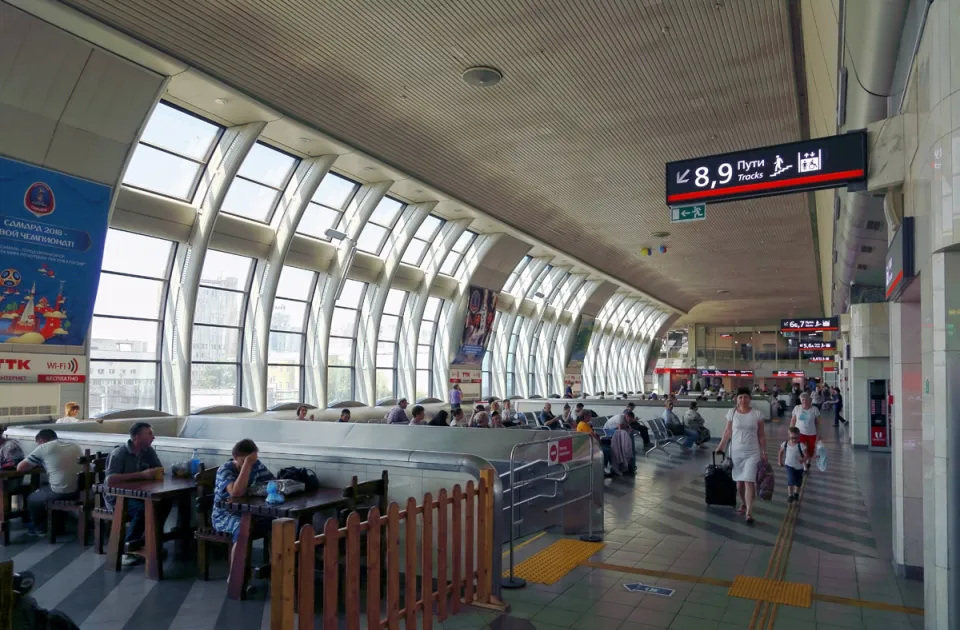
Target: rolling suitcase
(720, 487)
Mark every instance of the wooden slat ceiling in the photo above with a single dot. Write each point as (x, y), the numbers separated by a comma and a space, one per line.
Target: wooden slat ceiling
(570, 147)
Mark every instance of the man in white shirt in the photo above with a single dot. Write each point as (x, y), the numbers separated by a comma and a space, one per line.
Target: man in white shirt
(806, 417)
(59, 460)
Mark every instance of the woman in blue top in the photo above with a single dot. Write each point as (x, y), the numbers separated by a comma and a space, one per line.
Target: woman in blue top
(234, 478)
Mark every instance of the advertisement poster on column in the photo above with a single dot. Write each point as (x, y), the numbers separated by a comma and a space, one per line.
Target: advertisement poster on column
(52, 230)
(582, 341)
(478, 326)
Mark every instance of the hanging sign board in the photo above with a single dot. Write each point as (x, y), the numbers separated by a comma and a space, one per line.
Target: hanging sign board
(815, 324)
(786, 168)
(818, 345)
(899, 269)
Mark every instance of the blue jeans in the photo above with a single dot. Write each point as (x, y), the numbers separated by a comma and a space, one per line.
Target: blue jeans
(692, 436)
(137, 512)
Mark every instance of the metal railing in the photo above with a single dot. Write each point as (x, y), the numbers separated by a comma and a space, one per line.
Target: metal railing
(512, 582)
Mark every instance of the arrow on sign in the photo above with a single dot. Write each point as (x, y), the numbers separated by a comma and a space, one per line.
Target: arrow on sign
(683, 179)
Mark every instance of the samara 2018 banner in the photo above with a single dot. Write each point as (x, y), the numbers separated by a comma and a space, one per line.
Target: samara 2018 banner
(478, 326)
(52, 230)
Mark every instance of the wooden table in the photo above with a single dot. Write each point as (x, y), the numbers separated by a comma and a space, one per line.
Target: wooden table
(300, 507)
(7, 479)
(151, 493)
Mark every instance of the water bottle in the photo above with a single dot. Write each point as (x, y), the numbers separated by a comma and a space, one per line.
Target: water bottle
(271, 487)
(195, 462)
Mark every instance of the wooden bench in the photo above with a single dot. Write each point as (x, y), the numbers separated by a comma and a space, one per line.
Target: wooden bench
(93, 467)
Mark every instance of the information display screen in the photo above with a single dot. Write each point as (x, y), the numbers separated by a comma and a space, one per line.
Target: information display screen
(739, 373)
(788, 373)
(818, 345)
(899, 269)
(810, 325)
(820, 359)
(786, 168)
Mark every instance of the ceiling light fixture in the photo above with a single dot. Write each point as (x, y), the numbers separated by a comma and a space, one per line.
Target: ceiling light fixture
(539, 295)
(482, 76)
(335, 235)
(660, 234)
(723, 291)
(220, 101)
(665, 30)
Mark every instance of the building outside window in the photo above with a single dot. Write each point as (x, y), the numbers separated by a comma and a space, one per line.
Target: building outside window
(218, 327)
(287, 332)
(172, 153)
(341, 354)
(326, 208)
(258, 186)
(387, 344)
(425, 349)
(126, 330)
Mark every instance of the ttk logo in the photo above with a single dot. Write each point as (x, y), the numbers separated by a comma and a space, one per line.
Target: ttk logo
(72, 366)
(15, 364)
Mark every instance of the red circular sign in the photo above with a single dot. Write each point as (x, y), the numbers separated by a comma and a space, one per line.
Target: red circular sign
(39, 199)
(554, 452)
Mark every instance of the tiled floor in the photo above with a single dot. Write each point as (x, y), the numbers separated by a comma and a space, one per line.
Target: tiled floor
(656, 520)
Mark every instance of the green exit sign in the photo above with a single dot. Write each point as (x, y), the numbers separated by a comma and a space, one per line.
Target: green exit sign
(682, 214)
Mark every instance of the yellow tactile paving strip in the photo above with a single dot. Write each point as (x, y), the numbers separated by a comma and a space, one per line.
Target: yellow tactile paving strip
(774, 591)
(552, 563)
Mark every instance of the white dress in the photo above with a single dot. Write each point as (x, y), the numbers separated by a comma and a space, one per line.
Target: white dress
(744, 444)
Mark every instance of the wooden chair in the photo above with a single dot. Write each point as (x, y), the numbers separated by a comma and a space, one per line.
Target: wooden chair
(205, 533)
(361, 498)
(92, 472)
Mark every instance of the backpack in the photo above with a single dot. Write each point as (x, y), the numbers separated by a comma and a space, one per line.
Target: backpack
(304, 475)
(765, 480)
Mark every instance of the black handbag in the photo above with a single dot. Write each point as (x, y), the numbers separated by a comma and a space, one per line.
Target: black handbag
(303, 475)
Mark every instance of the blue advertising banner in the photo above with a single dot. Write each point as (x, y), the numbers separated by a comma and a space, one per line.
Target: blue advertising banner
(582, 341)
(478, 326)
(52, 230)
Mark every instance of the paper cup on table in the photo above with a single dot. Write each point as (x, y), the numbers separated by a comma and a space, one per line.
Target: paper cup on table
(159, 474)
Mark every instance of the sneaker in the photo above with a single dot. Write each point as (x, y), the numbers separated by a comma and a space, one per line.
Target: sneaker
(130, 560)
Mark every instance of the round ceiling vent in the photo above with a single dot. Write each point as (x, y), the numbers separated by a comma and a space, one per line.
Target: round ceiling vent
(482, 76)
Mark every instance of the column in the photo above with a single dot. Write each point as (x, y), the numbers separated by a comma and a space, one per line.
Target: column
(906, 428)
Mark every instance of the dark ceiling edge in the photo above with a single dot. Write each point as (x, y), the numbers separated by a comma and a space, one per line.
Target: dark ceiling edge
(109, 23)
(800, 81)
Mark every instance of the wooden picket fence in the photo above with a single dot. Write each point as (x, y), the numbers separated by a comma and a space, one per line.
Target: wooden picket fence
(464, 559)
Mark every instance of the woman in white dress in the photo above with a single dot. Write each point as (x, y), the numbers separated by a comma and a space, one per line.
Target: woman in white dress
(744, 433)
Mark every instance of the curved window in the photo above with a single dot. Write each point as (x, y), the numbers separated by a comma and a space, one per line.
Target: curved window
(453, 258)
(512, 358)
(217, 329)
(387, 343)
(256, 190)
(287, 330)
(515, 274)
(383, 219)
(422, 240)
(532, 363)
(172, 153)
(126, 328)
(425, 348)
(341, 352)
(327, 206)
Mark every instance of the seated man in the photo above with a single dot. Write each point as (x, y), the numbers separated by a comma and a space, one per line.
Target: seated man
(398, 415)
(457, 418)
(547, 418)
(302, 413)
(234, 478)
(344, 415)
(417, 412)
(135, 461)
(623, 452)
(59, 460)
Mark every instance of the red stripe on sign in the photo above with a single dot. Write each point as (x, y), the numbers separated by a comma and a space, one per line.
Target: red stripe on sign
(60, 378)
(896, 281)
(782, 183)
(815, 329)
